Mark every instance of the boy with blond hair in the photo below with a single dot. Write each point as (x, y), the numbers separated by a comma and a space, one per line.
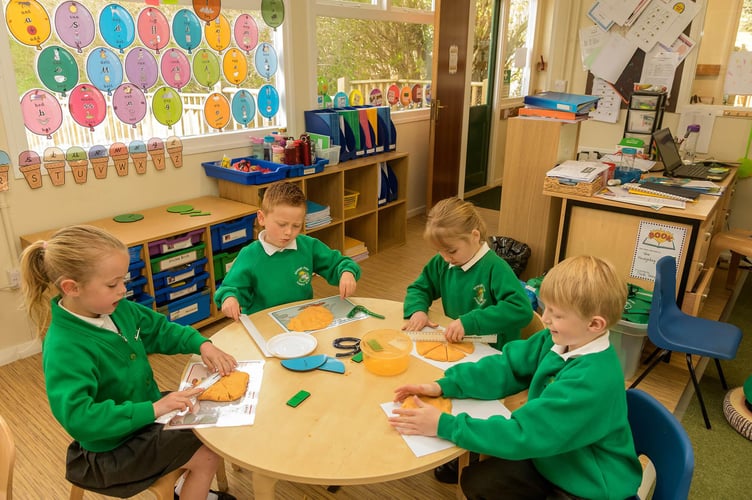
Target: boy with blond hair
(572, 438)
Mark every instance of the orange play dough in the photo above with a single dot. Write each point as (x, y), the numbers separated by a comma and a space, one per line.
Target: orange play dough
(443, 351)
(442, 404)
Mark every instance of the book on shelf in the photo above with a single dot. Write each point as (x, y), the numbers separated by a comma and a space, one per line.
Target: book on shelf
(662, 191)
(553, 114)
(562, 101)
(355, 249)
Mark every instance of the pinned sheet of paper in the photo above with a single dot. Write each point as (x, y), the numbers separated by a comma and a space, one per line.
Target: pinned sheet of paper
(705, 117)
(609, 103)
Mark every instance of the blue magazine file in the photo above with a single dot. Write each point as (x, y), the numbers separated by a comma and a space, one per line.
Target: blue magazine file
(562, 101)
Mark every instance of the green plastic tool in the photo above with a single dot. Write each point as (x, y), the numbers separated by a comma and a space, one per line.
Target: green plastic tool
(355, 310)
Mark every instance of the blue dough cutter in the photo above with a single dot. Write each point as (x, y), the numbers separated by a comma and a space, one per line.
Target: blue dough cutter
(333, 365)
(305, 364)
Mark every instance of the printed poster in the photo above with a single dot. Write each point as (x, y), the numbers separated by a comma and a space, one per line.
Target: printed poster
(655, 240)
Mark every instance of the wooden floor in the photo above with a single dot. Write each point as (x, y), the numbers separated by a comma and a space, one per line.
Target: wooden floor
(41, 442)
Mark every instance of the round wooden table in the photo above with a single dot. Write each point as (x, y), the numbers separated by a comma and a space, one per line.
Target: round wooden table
(340, 434)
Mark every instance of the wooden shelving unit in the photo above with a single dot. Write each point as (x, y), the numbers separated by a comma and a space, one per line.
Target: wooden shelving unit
(380, 227)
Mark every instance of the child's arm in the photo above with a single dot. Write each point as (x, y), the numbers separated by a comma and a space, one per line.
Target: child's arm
(216, 359)
(241, 280)
(418, 321)
(425, 289)
(328, 263)
(347, 284)
(231, 308)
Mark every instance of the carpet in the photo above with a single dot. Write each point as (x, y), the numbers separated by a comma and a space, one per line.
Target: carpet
(490, 198)
(722, 462)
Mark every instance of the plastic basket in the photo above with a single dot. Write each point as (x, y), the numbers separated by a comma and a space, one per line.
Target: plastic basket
(628, 340)
(351, 199)
(331, 154)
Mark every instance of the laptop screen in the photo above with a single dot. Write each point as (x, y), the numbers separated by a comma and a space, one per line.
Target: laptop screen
(667, 150)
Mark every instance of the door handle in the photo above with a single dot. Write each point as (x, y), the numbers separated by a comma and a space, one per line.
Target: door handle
(435, 107)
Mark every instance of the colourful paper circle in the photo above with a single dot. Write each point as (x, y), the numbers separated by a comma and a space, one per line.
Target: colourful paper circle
(268, 101)
(74, 25)
(218, 33)
(416, 93)
(243, 107)
(167, 106)
(116, 26)
(235, 66)
(341, 100)
(206, 67)
(217, 111)
(356, 97)
(266, 60)
(141, 68)
(405, 95)
(246, 32)
(28, 22)
(186, 28)
(104, 69)
(207, 10)
(273, 12)
(175, 68)
(57, 69)
(42, 113)
(392, 95)
(129, 104)
(87, 105)
(376, 97)
(153, 28)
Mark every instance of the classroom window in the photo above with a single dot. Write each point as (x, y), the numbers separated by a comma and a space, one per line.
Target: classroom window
(519, 16)
(130, 71)
(381, 55)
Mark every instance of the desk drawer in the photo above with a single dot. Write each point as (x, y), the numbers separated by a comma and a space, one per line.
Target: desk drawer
(695, 297)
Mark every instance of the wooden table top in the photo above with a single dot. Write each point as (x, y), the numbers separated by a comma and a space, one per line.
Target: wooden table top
(340, 434)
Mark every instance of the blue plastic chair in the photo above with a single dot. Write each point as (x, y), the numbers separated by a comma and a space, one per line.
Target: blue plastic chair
(670, 329)
(660, 436)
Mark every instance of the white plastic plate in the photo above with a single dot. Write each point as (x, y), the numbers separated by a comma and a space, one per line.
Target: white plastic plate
(292, 345)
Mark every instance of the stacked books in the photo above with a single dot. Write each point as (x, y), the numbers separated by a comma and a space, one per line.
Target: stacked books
(317, 215)
(574, 171)
(558, 106)
(355, 249)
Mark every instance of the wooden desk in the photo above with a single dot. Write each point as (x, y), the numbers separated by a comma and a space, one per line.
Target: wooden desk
(340, 434)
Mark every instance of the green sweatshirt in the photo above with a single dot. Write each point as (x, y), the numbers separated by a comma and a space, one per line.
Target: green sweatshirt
(100, 387)
(574, 425)
(259, 280)
(487, 298)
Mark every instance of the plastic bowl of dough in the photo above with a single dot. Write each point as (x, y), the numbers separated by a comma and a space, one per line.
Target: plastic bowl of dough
(386, 352)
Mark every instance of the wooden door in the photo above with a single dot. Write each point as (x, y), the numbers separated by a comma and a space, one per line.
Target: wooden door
(449, 99)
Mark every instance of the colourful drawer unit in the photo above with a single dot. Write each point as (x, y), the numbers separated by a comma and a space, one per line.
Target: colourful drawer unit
(135, 253)
(135, 287)
(233, 233)
(177, 259)
(144, 299)
(135, 270)
(160, 247)
(190, 309)
(180, 289)
(222, 264)
(182, 273)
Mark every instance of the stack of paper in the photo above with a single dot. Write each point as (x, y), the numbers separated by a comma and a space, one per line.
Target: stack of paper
(575, 171)
(317, 215)
(355, 249)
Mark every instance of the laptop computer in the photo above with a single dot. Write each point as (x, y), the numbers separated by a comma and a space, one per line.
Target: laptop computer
(674, 166)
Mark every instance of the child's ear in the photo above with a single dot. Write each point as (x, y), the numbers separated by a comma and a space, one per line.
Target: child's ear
(69, 286)
(260, 217)
(598, 323)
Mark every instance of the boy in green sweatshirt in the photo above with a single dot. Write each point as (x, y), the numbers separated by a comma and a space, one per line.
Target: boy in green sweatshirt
(572, 437)
(278, 267)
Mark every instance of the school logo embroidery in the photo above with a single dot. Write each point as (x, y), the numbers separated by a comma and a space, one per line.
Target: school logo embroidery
(480, 294)
(303, 276)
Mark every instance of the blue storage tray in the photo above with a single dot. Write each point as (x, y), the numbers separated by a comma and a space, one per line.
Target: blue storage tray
(182, 273)
(135, 253)
(188, 310)
(144, 299)
(135, 287)
(232, 233)
(301, 170)
(180, 289)
(215, 169)
(134, 270)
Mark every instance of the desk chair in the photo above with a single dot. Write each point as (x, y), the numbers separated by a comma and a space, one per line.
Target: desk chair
(736, 241)
(7, 460)
(660, 436)
(164, 487)
(670, 329)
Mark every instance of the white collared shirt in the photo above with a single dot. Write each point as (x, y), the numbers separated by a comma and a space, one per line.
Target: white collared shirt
(104, 321)
(597, 345)
(478, 255)
(272, 249)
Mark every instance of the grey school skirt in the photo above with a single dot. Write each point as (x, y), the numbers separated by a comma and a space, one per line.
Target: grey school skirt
(134, 465)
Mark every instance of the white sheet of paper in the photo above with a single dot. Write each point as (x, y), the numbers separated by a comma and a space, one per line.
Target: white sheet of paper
(591, 39)
(659, 67)
(424, 445)
(609, 103)
(703, 116)
(481, 351)
(613, 57)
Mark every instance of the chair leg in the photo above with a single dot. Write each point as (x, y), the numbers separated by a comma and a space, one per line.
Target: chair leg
(222, 477)
(76, 493)
(697, 391)
(720, 374)
(652, 365)
(652, 355)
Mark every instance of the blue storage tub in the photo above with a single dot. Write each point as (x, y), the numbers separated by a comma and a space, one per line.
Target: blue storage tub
(188, 310)
(144, 299)
(301, 170)
(180, 242)
(134, 270)
(135, 287)
(277, 172)
(182, 273)
(232, 233)
(180, 289)
(135, 253)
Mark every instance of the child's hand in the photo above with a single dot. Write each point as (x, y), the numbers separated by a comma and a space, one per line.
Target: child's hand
(216, 359)
(455, 332)
(178, 400)
(423, 420)
(418, 321)
(347, 284)
(231, 308)
(431, 389)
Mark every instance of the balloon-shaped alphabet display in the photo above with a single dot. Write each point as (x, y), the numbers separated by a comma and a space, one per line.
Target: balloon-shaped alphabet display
(268, 101)
(246, 32)
(116, 26)
(74, 25)
(176, 69)
(104, 69)
(58, 69)
(217, 111)
(243, 107)
(235, 66)
(87, 105)
(273, 12)
(129, 104)
(186, 28)
(42, 112)
(266, 60)
(206, 67)
(141, 68)
(167, 106)
(28, 22)
(207, 10)
(218, 33)
(153, 28)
